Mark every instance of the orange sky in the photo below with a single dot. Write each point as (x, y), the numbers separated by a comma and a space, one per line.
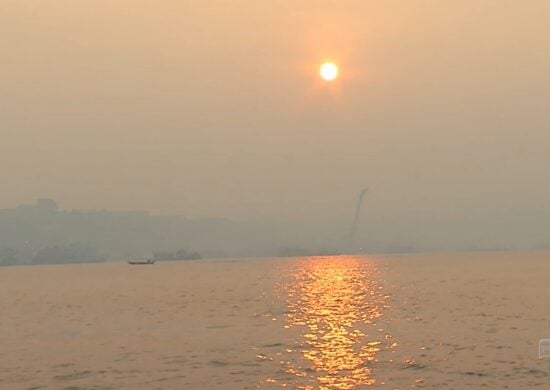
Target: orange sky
(216, 107)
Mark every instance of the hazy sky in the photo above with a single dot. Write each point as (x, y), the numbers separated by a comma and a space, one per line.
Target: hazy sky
(215, 107)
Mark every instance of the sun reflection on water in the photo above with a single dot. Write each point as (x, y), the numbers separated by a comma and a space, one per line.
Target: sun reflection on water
(333, 301)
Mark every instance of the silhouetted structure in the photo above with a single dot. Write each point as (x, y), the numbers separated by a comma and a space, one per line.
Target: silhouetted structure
(181, 254)
(353, 230)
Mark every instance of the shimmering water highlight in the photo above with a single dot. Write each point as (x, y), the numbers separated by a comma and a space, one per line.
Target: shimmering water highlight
(333, 301)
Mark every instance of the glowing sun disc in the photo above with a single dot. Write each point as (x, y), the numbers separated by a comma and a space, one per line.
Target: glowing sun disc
(329, 71)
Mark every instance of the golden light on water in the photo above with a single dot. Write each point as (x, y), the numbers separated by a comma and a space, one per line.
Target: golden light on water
(329, 71)
(332, 301)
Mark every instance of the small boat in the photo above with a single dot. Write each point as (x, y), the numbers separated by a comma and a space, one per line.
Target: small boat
(144, 262)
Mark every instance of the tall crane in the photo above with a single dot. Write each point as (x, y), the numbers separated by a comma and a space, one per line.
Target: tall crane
(356, 217)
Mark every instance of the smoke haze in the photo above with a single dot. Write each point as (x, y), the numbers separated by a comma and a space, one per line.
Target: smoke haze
(215, 109)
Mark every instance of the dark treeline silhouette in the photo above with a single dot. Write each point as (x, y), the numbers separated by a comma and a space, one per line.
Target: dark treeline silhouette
(73, 253)
(180, 254)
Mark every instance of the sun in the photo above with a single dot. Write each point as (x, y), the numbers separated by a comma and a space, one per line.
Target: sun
(329, 71)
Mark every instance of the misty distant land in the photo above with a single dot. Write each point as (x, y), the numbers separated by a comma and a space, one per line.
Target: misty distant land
(42, 233)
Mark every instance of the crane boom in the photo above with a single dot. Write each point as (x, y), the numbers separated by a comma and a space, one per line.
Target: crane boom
(356, 217)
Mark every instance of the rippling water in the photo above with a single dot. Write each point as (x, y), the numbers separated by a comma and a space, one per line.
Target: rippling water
(463, 321)
(333, 302)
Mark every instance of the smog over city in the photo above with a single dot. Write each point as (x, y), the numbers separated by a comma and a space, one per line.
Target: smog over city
(287, 154)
